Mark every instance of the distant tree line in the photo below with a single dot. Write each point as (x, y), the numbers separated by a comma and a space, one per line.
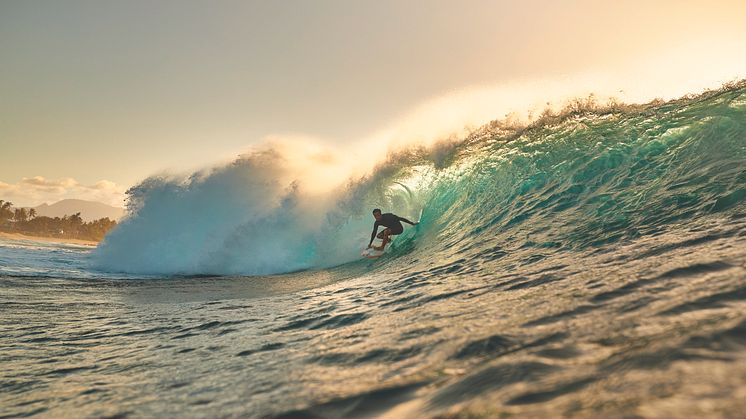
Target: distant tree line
(26, 221)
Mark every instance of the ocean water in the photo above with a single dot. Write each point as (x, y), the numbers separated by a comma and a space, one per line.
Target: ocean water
(593, 264)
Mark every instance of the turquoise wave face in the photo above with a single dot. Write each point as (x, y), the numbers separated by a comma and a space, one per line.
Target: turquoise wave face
(586, 179)
(590, 179)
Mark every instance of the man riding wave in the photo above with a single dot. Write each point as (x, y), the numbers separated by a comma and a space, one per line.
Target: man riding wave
(393, 227)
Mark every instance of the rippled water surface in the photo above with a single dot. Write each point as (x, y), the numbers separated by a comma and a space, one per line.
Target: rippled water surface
(655, 327)
(591, 267)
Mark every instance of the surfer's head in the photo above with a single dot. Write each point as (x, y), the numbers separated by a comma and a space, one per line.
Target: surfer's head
(377, 214)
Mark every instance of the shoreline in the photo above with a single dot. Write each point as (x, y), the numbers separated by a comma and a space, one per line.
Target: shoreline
(20, 236)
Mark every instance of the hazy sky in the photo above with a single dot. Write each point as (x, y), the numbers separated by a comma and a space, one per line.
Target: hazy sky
(96, 95)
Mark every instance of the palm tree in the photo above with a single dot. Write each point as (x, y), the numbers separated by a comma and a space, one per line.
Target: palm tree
(5, 210)
(32, 213)
(20, 215)
(74, 223)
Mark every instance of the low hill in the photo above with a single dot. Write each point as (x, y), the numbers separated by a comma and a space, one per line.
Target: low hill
(89, 210)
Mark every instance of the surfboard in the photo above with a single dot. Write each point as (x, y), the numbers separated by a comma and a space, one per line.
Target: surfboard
(371, 253)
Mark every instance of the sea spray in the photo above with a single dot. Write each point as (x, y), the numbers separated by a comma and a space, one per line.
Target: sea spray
(253, 216)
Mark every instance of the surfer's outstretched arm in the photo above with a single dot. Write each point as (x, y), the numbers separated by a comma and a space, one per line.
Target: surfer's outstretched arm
(373, 235)
(407, 221)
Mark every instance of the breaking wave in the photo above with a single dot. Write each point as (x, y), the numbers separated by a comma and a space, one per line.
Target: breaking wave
(587, 177)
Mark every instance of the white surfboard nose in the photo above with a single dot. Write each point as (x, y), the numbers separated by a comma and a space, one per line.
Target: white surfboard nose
(371, 253)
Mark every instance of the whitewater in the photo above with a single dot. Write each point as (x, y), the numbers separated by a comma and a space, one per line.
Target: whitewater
(589, 263)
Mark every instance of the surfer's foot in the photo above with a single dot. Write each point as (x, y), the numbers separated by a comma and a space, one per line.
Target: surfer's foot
(379, 248)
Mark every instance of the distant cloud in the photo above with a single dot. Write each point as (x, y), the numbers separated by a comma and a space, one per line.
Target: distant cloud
(33, 191)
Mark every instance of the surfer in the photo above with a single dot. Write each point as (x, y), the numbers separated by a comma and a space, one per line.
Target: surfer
(393, 227)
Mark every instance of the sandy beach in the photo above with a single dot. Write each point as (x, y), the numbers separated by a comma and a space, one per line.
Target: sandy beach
(19, 236)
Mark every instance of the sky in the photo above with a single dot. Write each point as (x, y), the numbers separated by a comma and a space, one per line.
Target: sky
(97, 95)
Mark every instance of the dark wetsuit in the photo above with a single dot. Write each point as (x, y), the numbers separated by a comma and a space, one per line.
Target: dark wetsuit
(390, 221)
